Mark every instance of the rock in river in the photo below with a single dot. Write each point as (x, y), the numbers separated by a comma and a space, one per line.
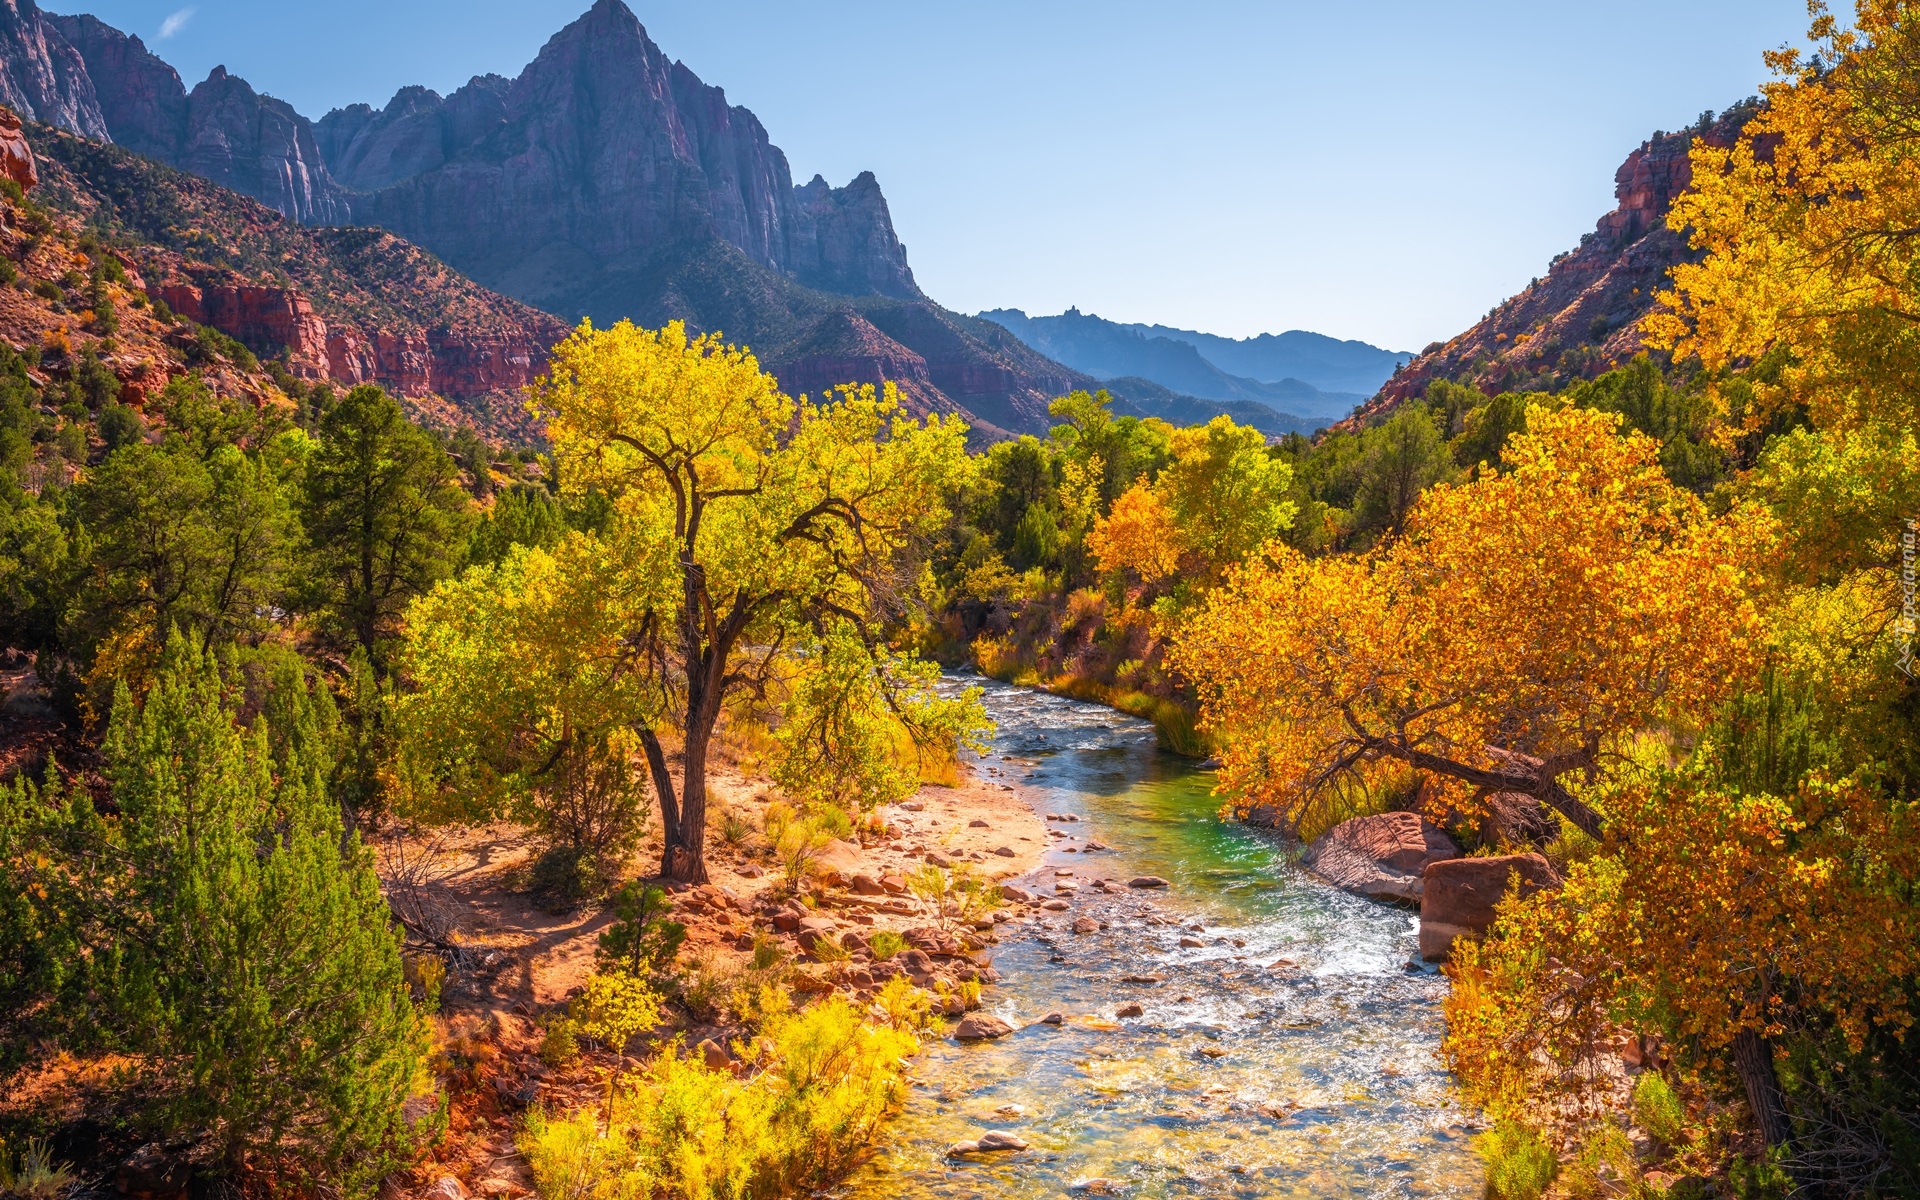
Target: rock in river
(1146, 881)
(1381, 857)
(978, 1027)
(1461, 893)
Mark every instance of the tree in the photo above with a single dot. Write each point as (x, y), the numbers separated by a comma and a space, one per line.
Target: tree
(1523, 623)
(522, 689)
(385, 519)
(230, 932)
(770, 518)
(1403, 458)
(1806, 223)
(175, 541)
(1220, 498)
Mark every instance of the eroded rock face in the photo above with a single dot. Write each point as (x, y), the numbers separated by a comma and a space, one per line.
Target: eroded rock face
(1381, 857)
(141, 98)
(1461, 893)
(42, 77)
(16, 157)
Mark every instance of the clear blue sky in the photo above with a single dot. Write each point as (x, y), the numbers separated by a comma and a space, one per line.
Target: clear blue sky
(1385, 171)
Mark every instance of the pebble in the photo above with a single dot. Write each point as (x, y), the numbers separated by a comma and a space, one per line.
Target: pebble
(1129, 1010)
(1146, 881)
(1056, 906)
(1054, 1018)
(1085, 925)
(977, 823)
(1004, 851)
(1191, 943)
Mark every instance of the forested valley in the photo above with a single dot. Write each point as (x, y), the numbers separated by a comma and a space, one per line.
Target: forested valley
(274, 647)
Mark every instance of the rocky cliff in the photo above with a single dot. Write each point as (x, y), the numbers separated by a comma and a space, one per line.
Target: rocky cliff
(565, 184)
(1583, 317)
(605, 180)
(42, 77)
(351, 305)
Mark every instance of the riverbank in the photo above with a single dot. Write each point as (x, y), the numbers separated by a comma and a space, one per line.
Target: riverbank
(518, 963)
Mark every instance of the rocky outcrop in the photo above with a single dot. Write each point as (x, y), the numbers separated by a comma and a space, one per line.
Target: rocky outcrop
(1460, 895)
(842, 240)
(580, 172)
(42, 77)
(368, 149)
(260, 147)
(1582, 318)
(266, 318)
(16, 157)
(1382, 857)
(141, 98)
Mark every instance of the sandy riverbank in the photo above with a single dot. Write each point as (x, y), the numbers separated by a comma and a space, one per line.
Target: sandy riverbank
(519, 963)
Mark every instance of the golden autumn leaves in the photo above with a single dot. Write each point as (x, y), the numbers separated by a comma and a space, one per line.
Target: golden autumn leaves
(1543, 611)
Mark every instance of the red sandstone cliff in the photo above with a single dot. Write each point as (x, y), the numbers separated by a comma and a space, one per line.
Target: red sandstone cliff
(1583, 317)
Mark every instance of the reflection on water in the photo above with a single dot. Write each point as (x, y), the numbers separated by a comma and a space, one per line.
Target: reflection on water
(1315, 1077)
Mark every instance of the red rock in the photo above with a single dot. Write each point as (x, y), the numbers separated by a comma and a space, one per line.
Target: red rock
(1382, 856)
(1461, 893)
(16, 157)
(975, 1027)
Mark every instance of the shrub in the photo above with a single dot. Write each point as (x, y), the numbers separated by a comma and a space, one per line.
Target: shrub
(560, 1044)
(32, 1173)
(908, 1008)
(250, 957)
(679, 1129)
(121, 426)
(614, 1009)
(886, 943)
(1657, 1109)
(566, 875)
(641, 940)
(1520, 1164)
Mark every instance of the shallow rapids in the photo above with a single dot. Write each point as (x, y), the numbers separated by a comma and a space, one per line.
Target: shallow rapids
(1317, 1079)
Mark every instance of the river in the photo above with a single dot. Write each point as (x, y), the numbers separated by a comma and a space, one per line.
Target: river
(1317, 1079)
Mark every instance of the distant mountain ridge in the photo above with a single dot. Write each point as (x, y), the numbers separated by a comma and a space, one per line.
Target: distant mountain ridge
(1297, 372)
(605, 180)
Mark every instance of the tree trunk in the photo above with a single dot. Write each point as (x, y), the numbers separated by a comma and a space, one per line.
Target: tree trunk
(1753, 1062)
(685, 854)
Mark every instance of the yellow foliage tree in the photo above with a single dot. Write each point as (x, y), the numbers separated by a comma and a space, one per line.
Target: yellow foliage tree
(1807, 223)
(1218, 501)
(1524, 621)
(770, 520)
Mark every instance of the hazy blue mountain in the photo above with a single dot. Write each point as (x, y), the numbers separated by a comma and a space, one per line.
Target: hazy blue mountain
(1137, 397)
(1299, 372)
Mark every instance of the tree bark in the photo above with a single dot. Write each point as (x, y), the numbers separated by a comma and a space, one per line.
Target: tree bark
(685, 855)
(1753, 1062)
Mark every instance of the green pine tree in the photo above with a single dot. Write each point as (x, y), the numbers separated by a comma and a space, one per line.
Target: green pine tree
(239, 942)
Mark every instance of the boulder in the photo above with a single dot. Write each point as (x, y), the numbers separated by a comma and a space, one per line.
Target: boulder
(1085, 925)
(153, 1174)
(812, 929)
(447, 1188)
(1381, 857)
(894, 885)
(1146, 881)
(1018, 895)
(714, 1055)
(838, 862)
(932, 940)
(866, 885)
(16, 157)
(937, 859)
(999, 1139)
(1460, 895)
(1004, 851)
(977, 823)
(1129, 1010)
(977, 1027)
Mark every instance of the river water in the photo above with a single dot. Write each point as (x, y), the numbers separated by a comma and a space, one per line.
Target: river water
(1241, 1079)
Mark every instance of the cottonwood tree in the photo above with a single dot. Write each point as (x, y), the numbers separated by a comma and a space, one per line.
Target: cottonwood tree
(772, 521)
(1522, 623)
